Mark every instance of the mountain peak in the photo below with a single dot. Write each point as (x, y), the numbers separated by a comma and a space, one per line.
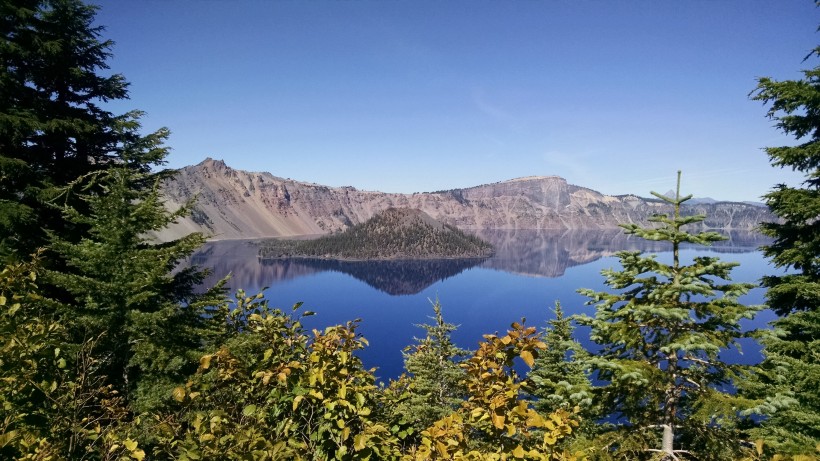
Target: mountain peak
(531, 178)
(209, 162)
(240, 204)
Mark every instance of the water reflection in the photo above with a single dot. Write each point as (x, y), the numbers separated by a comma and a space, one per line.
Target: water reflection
(549, 253)
(391, 277)
(529, 272)
(539, 253)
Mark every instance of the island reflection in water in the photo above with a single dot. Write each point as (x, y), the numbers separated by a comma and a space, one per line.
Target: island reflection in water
(530, 271)
(544, 253)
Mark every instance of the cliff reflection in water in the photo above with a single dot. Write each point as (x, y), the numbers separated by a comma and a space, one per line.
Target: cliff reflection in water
(549, 253)
(237, 258)
(544, 253)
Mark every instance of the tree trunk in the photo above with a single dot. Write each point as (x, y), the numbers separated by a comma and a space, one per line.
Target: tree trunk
(668, 437)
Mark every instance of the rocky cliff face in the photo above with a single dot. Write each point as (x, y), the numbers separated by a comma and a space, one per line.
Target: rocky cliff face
(235, 204)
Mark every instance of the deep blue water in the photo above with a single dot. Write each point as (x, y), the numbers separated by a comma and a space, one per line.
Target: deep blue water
(529, 273)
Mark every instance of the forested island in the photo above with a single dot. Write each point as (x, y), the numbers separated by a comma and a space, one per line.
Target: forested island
(395, 233)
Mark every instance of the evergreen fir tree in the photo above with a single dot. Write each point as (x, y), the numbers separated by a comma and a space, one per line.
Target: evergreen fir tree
(558, 376)
(121, 285)
(661, 331)
(792, 354)
(78, 178)
(52, 127)
(437, 388)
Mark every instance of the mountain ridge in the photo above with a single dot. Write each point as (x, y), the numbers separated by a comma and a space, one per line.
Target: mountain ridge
(237, 204)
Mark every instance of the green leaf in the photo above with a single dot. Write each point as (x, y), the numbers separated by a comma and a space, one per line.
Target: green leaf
(249, 410)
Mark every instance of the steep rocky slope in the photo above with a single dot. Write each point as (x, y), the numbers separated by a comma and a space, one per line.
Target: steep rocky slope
(239, 204)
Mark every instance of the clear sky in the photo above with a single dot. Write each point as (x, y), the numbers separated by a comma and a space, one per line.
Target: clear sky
(423, 95)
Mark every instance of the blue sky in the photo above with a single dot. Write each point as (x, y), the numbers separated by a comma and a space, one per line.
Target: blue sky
(414, 96)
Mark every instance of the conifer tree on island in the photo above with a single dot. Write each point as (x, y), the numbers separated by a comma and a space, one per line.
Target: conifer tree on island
(661, 331)
(792, 355)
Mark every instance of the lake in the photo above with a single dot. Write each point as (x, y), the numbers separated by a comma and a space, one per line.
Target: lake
(528, 273)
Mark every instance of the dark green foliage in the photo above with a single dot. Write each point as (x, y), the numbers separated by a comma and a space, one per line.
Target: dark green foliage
(118, 284)
(392, 234)
(661, 331)
(52, 128)
(559, 379)
(78, 178)
(558, 375)
(792, 355)
(437, 387)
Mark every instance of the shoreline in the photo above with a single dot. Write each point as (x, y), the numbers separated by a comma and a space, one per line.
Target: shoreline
(391, 259)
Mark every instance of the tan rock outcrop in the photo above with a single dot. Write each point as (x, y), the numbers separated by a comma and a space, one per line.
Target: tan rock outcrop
(236, 204)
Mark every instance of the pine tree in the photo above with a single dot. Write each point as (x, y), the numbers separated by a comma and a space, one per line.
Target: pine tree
(79, 179)
(121, 285)
(437, 388)
(558, 375)
(52, 126)
(792, 354)
(661, 331)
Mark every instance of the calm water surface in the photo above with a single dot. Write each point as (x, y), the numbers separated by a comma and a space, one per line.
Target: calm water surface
(530, 271)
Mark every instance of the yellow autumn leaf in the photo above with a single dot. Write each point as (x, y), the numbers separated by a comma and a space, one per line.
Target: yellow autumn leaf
(205, 361)
(129, 444)
(498, 420)
(296, 401)
(534, 419)
(178, 393)
(359, 442)
(528, 358)
(441, 448)
(510, 430)
(518, 452)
